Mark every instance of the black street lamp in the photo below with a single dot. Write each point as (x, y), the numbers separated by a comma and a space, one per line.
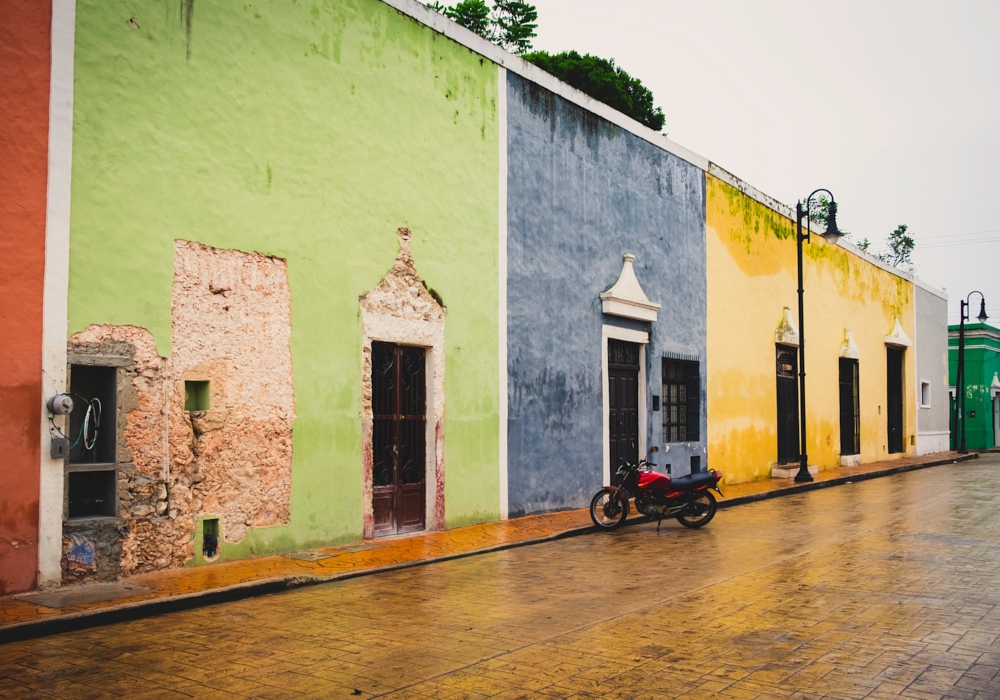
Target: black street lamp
(831, 235)
(960, 375)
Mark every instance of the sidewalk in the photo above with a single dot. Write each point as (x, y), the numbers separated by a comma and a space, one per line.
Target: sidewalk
(38, 614)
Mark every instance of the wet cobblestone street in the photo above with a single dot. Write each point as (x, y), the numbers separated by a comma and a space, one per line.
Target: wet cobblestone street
(886, 588)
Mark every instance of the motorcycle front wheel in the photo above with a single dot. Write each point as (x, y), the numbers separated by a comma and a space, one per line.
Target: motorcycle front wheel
(608, 509)
(699, 512)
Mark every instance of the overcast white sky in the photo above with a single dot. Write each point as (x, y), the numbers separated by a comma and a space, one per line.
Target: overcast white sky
(893, 106)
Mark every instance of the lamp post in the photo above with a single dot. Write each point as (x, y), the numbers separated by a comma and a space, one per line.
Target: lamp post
(960, 375)
(831, 235)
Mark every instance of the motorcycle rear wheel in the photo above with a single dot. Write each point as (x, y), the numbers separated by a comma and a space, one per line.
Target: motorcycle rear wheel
(608, 509)
(699, 512)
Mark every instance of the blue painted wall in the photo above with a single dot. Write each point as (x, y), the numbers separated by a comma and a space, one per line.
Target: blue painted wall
(581, 192)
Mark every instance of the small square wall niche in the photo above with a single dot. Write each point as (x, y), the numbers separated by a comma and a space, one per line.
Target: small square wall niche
(196, 396)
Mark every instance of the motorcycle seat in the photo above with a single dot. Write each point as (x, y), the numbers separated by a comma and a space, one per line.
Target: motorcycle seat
(692, 481)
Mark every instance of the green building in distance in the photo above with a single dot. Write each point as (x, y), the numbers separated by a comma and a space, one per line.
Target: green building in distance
(982, 385)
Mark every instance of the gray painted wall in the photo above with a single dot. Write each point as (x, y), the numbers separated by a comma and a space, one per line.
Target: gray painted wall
(581, 192)
(932, 361)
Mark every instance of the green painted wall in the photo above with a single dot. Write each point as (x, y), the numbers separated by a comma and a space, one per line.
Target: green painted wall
(982, 361)
(309, 130)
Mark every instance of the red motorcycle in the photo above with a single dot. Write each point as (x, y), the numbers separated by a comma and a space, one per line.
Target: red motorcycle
(687, 498)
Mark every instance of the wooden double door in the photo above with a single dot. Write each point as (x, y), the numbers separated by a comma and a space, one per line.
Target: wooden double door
(399, 436)
(623, 404)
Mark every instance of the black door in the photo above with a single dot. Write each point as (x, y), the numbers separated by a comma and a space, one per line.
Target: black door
(623, 403)
(398, 438)
(894, 400)
(850, 408)
(787, 364)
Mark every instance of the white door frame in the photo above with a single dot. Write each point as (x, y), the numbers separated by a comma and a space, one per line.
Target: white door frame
(632, 336)
(996, 418)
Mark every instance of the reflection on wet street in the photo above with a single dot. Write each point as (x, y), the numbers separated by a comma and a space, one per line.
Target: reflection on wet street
(885, 588)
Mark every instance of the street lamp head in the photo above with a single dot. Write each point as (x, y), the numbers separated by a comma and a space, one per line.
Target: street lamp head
(832, 233)
(982, 311)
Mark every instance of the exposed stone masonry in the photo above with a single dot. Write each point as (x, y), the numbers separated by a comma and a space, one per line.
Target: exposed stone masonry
(231, 325)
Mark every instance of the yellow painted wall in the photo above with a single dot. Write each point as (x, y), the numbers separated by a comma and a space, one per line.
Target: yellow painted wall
(751, 278)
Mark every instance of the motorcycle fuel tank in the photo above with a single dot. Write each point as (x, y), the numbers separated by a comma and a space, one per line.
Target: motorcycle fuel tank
(651, 481)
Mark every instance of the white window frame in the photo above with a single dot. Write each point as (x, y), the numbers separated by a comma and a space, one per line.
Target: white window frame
(925, 383)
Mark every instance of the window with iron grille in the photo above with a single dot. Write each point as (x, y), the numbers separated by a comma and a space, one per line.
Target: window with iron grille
(681, 410)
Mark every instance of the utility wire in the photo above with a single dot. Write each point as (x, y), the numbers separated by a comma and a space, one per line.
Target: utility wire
(954, 243)
(959, 235)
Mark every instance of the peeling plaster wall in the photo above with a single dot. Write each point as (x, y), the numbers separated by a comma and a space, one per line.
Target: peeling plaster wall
(310, 132)
(231, 324)
(149, 533)
(402, 310)
(231, 327)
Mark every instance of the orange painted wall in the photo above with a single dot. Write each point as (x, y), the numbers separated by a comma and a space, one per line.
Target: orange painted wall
(24, 116)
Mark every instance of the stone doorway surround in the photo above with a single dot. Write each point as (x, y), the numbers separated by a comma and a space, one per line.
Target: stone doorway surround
(624, 299)
(402, 310)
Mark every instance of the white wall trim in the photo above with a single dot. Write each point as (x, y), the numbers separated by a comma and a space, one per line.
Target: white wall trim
(996, 419)
(897, 336)
(920, 394)
(515, 64)
(928, 288)
(502, 266)
(472, 41)
(932, 443)
(54, 300)
(626, 298)
(632, 336)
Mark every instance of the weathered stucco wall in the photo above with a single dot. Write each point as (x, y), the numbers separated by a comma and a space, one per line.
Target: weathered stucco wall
(752, 277)
(932, 367)
(24, 114)
(308, 133)
(231, 328)
(581, 193)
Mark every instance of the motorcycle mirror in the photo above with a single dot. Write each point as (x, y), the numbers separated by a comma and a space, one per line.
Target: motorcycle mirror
(653, 449)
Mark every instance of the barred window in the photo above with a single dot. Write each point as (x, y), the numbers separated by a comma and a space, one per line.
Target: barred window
(681, 410)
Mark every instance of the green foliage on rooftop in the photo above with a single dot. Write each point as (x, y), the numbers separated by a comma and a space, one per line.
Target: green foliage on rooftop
(604, 81)
(510, 24)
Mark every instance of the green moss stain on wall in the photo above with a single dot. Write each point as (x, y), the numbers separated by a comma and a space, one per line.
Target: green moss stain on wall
(308, 130)
(762, 242)
(757, 220)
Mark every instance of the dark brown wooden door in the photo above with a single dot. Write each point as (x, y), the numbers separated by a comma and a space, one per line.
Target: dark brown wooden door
(894, 399)
(850, 408)
(623, 403)
(786, 365)
(398, 438)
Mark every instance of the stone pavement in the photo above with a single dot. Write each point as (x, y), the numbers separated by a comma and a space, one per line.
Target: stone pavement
(882, 589)
(24, 617)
